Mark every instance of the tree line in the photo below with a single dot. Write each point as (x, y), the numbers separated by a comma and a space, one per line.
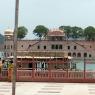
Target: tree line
(76, 32)
(73, 32)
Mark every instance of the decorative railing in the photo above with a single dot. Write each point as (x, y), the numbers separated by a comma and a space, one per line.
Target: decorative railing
(4, 74)
(55, 74)
(30, 74)
(90, 75)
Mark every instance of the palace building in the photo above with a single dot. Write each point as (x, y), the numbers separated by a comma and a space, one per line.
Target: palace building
(54, 57)
(55, 45)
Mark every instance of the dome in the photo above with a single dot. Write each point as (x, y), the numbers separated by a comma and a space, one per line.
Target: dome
(8, 32)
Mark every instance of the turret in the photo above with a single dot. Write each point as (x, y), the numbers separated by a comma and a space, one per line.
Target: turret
(8, 43)
(56, 34)
(8, 34)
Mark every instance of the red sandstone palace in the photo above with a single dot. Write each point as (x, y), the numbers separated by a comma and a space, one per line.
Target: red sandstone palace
(52, 58)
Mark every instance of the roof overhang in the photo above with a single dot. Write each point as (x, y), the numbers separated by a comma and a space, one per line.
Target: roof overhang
(29, 57)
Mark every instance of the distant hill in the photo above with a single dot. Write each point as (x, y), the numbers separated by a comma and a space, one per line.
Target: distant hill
(1, 39)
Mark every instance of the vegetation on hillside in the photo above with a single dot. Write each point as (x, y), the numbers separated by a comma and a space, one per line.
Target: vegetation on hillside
(1, 39)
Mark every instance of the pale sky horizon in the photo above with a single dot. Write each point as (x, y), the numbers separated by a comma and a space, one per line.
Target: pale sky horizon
(51, 13)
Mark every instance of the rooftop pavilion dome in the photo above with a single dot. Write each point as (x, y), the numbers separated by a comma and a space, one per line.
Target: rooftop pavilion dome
(8, 32)
(56, 32)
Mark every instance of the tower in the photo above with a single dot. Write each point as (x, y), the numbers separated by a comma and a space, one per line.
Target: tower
(8, 43)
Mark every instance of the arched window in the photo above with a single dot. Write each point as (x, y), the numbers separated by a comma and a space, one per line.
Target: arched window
(5, 47)
(11, 46)
(85, 54)
(30, 45)
(69, 54)
(38, 47)
(79, 55)
(90, 55)
(75, 47)
(74, 54)
(21, 45)
(44, 47)
(68, 47)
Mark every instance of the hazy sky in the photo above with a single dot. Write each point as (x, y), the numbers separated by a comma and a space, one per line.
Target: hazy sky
(51, 13)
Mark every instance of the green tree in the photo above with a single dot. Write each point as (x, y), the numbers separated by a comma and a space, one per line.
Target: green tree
(22, 32)
(76, 32)
(89, 33)
(67, 30)
(40, 31)
(72, 32)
